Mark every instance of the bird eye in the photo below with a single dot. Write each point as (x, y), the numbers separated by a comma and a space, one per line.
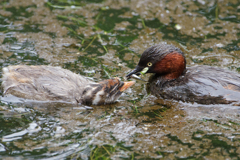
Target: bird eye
(149, 64)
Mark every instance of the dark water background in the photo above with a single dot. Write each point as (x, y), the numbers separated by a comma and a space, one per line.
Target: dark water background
(102, 38)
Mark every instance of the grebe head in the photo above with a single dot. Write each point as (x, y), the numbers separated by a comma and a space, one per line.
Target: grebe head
(163, 59)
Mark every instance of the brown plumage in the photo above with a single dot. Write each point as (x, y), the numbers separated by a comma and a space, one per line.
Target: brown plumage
(47, 83)
(172, 80)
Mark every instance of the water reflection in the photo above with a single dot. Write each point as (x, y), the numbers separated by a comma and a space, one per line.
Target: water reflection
(106, 38)
(58, 130)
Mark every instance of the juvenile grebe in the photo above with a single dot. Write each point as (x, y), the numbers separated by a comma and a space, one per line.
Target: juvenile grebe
(47, 83)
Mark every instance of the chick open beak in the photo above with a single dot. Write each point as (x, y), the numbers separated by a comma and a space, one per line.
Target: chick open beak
(126, 85)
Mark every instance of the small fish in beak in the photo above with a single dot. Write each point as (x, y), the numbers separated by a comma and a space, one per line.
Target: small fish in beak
(136, 72)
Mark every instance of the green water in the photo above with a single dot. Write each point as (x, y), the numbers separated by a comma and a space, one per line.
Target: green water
(102, 39)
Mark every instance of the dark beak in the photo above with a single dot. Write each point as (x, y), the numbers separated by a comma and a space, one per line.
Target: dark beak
(136, 71)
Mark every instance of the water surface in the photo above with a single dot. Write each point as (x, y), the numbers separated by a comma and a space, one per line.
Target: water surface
(102, 39)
